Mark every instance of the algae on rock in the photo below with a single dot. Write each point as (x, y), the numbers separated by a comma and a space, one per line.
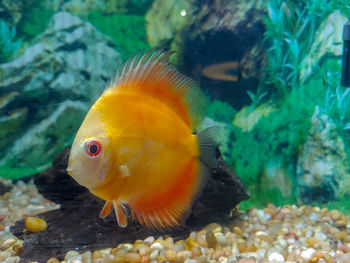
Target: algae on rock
(52, 85)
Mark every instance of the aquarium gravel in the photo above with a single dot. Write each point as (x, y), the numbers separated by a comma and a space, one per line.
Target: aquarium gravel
(272, 234)
(21, 201)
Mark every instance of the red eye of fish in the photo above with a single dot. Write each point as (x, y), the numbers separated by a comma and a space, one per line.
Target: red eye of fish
(93, 148)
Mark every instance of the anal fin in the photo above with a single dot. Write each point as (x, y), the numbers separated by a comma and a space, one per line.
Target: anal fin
(119, 214)
(106, 210)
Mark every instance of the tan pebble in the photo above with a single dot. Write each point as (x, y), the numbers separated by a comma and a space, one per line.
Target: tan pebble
(35, 224)
(166, 244)
(120, 252)
(53, 260)
(311, 241)
(313, 260)
(12, 260)
(170, 255)
(191, 243)
(170, 240)
(144, 250)
(9, 242)
(96, 254)
(238, 230)
(242, 247)
(335, 214)
(251, 247)
(87, 257)
(210, 238)
(179, 246)
(327, 257)
(185, 254)
(4, 255)
(117, 260)
(266, 238)
(109, 259)
(145, 259)
(18, 249)
(214, 227)
(220, 238)
(246, 260)
(70, 254)
(133, 257)
(196, 251)
(341, 235)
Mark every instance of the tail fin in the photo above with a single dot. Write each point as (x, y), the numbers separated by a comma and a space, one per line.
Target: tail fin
(207, 147)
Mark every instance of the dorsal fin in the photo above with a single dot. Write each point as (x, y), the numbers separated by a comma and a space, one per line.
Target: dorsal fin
(151, 73)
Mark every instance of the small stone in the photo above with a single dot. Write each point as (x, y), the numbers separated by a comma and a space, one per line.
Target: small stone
(53, 260)
(342, 235)
(108, 259)
(18, 249)
(4, 255)
(311, 241)
(133, 257)
(238, 230)
(97, 254)
(221, 239)
(196, 251)
(170, 255)
(144, 250)
(35, 224)
(246, 260)
(183, 255)
(307, 254)
(8, 243)
(179, 247)
(211, 240)
(120, 252)
(87, 257)
(154, 255)
(335, 214)
(157, 246)
(276, 257)
(71, 254)
(149, 240)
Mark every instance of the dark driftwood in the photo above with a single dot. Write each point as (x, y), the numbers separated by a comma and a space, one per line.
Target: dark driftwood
(76, 226)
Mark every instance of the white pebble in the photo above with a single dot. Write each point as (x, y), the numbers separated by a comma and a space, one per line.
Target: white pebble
(221, 239)
(320, 235)
(154, 255)
(190, 261)
(149, 240)
(276, 257)
(313, 216)
(157, 246)
(307, 254)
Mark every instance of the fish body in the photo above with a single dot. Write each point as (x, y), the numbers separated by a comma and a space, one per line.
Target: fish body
(136, 148)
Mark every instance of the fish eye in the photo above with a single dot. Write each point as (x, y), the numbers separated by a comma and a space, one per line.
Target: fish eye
(93, 148)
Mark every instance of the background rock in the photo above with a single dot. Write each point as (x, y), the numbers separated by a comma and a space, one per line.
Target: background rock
(322, 166)
(45, 93)
(207, 33)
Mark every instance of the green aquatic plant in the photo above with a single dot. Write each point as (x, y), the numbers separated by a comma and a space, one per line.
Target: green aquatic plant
(277, 135)
(220, 111)
(290, 35)
(8, 45)
(34, 21)
(128, 32)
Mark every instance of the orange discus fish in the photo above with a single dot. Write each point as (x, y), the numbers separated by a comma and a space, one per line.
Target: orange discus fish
(137, 149)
